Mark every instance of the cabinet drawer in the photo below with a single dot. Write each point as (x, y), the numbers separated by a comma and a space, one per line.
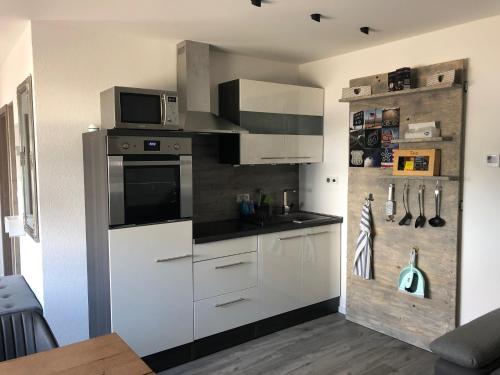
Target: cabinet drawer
(223, 275)
(218, 314)
(224, 248)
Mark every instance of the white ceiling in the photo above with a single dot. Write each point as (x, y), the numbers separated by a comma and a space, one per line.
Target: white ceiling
(280, 29)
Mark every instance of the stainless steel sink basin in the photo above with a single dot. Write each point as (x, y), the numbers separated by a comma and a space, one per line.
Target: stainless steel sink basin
(292, 217)
(302, 217)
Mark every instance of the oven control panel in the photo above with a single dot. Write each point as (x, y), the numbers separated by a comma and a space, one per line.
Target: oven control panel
(123, 145)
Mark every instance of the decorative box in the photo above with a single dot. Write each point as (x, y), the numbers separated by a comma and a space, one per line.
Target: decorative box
(417, 162)
(353, 92)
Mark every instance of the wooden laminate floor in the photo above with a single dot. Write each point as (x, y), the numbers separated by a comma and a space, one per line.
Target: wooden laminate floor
(329, 345)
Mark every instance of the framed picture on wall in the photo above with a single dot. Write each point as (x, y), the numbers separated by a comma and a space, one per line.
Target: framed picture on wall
(28, 157)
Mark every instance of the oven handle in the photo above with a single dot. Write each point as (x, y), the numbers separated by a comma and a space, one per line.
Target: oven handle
(151, 163)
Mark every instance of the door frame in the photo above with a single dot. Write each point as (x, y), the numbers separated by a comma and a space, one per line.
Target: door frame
(8, 189)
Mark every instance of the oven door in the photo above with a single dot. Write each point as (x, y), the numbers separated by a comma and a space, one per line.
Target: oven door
(154, 190)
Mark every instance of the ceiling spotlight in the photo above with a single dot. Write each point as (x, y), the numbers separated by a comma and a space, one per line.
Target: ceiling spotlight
(257, 3)
(365, 30)
(316, 17)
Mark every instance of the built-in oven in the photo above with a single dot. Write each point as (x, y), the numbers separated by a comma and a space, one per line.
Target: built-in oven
(149, 179)
(134, 108)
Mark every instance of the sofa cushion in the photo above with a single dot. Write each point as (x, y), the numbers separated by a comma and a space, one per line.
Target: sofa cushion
(473, 345)
(444, 367)
(16, 296)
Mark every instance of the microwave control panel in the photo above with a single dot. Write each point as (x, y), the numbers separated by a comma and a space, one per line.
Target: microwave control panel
(172, 110)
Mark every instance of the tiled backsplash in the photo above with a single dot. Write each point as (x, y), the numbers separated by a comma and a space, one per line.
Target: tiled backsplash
(215, 185)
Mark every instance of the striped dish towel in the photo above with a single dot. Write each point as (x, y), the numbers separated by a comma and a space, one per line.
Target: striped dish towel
(363, 256)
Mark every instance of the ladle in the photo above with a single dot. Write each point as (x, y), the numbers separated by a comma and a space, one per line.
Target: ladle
(420, 222)
(437, 221)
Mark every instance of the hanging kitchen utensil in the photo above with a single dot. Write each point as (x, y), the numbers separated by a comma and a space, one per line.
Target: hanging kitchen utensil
(411, 280)
(406, 220)
(437, 221)
(420, 222)
(390, 205)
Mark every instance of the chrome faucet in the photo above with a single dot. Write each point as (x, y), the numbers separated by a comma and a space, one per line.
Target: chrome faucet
(286, 208)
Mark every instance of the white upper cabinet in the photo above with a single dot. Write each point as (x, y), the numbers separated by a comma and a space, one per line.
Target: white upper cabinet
(285, 122)
(259, 96)
(304, 148)
(262, 149)
(151, 277)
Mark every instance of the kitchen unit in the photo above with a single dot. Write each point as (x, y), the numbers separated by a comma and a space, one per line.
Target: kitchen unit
(139, 238)
(285, 123)
(176, 288)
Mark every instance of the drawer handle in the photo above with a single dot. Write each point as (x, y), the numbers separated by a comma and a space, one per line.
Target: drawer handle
(230, 302)
(229, 265)
(300, 157)
(291, 237)
(272, 157)
(317, 234)
(163, 260)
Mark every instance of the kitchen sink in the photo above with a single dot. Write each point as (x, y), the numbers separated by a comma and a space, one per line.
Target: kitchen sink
(293, 217)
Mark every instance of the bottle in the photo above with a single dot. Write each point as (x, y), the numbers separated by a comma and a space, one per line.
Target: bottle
(390, 205)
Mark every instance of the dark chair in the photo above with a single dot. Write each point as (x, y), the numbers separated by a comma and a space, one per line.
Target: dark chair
(472, 349)
(23, 330)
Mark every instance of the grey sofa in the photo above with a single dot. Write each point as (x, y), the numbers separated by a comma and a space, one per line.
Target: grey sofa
(23, 330)
(472, 349)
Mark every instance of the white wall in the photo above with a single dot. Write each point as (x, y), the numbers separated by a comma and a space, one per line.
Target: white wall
(73, 62)
(477, 41)
(14, 69)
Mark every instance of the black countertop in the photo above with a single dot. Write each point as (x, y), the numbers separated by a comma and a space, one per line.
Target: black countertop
(228, 229)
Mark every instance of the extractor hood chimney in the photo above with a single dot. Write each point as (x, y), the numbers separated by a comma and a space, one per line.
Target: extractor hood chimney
(193, 90)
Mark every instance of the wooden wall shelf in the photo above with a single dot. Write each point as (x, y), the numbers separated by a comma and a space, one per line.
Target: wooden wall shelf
(423, 140)
(388, 94)
(440, 178)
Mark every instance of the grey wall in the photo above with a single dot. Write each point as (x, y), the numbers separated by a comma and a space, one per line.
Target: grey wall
(215, 185)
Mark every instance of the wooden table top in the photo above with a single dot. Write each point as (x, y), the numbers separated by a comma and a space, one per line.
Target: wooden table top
(104, 355)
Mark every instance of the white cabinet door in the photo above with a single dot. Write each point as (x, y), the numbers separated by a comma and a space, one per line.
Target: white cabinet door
(223, 275)
(221, 313)
(262, 149)
(151, 285)
(258, 96)
(304, 148)
(321, 264)
(218, 249)
(279, 272)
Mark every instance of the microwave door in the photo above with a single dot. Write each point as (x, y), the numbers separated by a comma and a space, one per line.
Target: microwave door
(142, 110)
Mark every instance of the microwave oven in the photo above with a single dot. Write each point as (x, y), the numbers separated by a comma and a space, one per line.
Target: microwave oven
(135, 108)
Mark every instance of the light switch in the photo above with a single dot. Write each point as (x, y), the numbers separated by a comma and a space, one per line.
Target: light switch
(493, 160)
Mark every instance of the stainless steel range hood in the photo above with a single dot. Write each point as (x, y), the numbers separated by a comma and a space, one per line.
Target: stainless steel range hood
(193, 90)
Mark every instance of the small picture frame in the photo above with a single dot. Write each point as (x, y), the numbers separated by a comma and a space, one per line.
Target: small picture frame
(417, 162)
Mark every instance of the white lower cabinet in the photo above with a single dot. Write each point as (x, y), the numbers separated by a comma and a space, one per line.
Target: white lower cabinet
(151, 277)
(320, 264)
(279, 272)
(298, 268)
(221, 313)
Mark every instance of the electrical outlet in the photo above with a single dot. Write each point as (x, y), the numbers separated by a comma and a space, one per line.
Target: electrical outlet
(332, 180)
(242, 197)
